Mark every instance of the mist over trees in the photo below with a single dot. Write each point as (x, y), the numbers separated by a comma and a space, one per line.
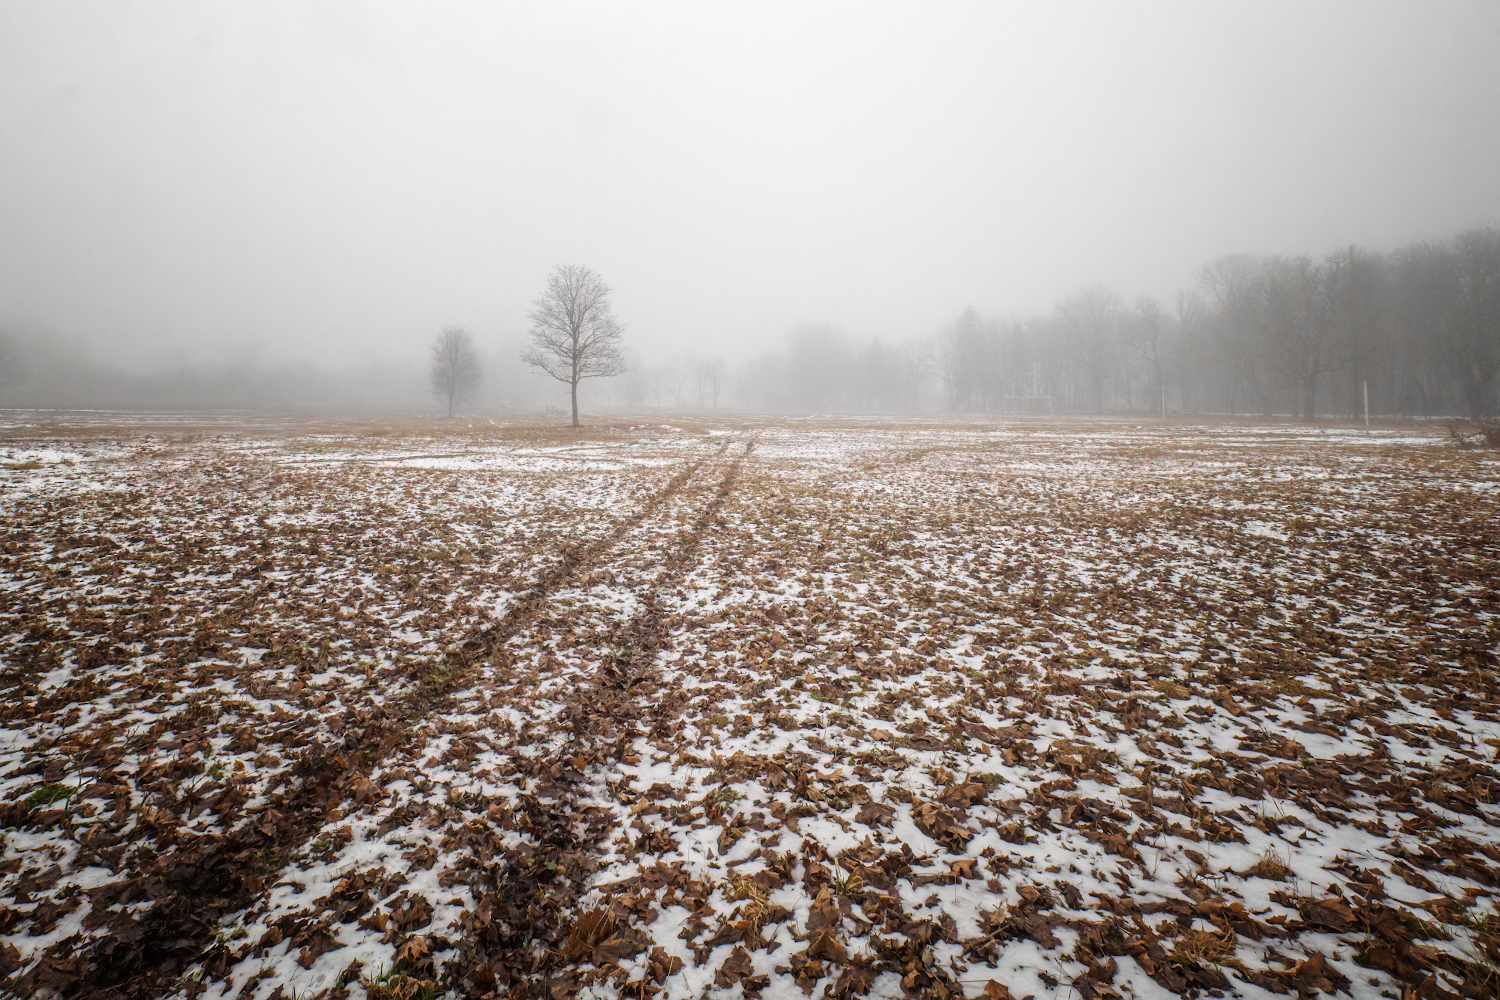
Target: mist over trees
(1419, 329)
(1272, 335)
(453, 371)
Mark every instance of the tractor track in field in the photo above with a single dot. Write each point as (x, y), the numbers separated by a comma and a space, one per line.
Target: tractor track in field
(195, 888)
(519, 938)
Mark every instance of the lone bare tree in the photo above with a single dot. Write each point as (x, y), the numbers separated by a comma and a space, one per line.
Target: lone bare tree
(454, 371)
(574, 334)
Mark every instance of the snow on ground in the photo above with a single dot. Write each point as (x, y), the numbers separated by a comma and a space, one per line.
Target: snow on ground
(760, 708)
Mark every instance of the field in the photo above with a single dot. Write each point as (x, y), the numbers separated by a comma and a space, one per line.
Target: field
(746, 708)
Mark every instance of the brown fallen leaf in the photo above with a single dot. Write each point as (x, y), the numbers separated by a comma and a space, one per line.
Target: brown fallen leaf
(854, 981)
(589, 928)
(1314, 973)
(1446, 909)
(621, 944)
(661, 965)
(365, 790)
(736, 967)
(938, 824)
(1173, 690)
(1333, 914)
(317, 941)
(996, 990)
(823, 925)
(414, 952)
(963, 795)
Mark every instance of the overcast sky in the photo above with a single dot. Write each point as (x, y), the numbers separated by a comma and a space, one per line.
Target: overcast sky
(310, 179)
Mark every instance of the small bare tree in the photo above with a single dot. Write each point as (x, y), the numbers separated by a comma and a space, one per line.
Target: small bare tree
(710, 376)
(574, 334)
(454, 372)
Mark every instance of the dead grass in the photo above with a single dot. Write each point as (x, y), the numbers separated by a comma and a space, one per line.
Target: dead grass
(1272, 865)
(1197, 945)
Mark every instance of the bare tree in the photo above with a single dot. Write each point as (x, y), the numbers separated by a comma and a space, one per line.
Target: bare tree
(574, 334)
(708, 373)
(1193, 355)
(966, 357)
(1144, 330)
(1416, 331)
(713, 374)
(1090, 319)
(1296, 303)
(1234, 284)
(454, 371)
(679, 372)
(1473, 344)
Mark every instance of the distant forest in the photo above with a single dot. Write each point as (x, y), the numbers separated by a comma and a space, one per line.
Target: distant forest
(1415, 331)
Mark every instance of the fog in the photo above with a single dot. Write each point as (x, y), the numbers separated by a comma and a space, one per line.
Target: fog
(282, 203)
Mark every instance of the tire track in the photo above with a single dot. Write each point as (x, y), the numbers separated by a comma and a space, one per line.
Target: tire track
(197, 886)
(517, 939)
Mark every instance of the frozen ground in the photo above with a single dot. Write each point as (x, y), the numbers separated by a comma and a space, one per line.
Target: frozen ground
(746, 708)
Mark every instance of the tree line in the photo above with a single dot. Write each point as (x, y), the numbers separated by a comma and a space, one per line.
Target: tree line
(1412, 332)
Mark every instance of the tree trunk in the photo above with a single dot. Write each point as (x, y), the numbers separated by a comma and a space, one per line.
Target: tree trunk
(1477, 392)
(1309, 396)
(575, 404)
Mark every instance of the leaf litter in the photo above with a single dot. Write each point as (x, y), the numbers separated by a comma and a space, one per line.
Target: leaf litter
(896, 708)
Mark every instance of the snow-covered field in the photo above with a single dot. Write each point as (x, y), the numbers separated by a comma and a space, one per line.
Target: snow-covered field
(746, 708)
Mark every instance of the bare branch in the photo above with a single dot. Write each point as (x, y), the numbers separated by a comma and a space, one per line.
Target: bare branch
(574, 334)
(454, 372)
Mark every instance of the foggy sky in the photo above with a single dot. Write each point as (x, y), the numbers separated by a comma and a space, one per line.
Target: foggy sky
(281, 180)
